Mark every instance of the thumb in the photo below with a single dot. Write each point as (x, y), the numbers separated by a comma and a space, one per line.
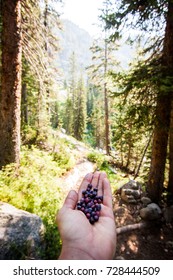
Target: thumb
(71, 200)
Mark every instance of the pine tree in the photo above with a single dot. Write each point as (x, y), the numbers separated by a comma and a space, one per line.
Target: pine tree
(103, 61)
(80, 110)
(39, 47)
(149, 16)
(11, 82)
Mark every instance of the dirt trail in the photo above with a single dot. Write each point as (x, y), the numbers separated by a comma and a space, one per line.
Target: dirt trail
(74, 177)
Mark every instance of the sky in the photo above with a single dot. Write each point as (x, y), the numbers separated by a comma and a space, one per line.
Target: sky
(84, 13)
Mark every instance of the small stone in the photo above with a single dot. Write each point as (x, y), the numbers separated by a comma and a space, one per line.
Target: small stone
(151, 212)
(146, 200)
(168, 214)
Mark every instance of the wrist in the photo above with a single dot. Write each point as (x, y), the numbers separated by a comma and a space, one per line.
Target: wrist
(72, 253)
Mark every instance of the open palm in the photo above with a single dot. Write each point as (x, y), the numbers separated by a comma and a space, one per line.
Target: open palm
(82, 240)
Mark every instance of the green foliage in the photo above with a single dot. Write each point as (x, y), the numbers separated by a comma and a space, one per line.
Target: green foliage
(95, 117)
(139, 15)
(28, 135)
(96, 157)
(34, 188)
(74, 119)
(116, 177)
(63, 159)
(79, 118)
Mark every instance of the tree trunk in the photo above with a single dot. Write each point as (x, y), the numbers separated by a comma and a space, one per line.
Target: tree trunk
(159, 149)
(106, 103)
(163, 113)
(170, 182)
(143, 155)
(25, 104)
(169, 51)
(11, 82)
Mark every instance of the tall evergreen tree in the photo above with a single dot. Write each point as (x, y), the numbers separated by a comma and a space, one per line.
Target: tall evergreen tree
(71, 89)
(10, 96)
(103, 61)
(80, 110)
(148, 16)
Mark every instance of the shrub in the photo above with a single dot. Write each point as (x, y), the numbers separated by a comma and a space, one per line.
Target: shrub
(96, 157)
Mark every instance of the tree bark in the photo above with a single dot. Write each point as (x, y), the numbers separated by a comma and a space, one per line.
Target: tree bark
(169, 51)
(25, 104)
(170, 182)
(163, 113)
(159, 149)
(143, 155)
(11, 82)
(106, 102)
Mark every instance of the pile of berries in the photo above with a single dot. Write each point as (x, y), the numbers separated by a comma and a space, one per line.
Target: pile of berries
(90, 204)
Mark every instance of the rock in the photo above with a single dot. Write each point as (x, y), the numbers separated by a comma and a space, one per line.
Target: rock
(21, 234)
(146, 200)
(151, 212)
(169, 244)
(168, 214)
(119, 258)
(131, 185)
(130, 192)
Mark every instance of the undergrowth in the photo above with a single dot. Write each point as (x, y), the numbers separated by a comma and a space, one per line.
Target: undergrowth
(116, 177)
(33, 188)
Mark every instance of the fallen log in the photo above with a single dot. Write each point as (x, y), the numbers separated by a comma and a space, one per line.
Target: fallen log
(131, 227)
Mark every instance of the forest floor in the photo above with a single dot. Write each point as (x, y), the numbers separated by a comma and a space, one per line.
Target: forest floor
(152, 243)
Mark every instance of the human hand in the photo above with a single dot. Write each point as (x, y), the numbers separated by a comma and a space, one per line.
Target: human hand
(80, 239)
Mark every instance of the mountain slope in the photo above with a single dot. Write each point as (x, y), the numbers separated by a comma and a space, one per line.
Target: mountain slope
(74, 39)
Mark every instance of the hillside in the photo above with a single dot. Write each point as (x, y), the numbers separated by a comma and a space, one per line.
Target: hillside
(77, 40)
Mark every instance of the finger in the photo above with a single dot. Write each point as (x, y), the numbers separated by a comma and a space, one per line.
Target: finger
(71, 200)
(101, 178)
(95, 179)
(107, 193)
(87, 180)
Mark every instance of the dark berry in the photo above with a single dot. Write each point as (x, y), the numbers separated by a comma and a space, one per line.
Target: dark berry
(87, 200)
(92, 220)
(88, 215)
(90, 186)
(90, 204)
(98, 207)
(96, 218)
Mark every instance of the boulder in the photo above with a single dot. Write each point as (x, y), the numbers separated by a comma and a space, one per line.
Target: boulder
(131, 192)
(151, 212)
(21, 234)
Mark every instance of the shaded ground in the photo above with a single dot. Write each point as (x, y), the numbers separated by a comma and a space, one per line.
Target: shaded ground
(152, 243)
